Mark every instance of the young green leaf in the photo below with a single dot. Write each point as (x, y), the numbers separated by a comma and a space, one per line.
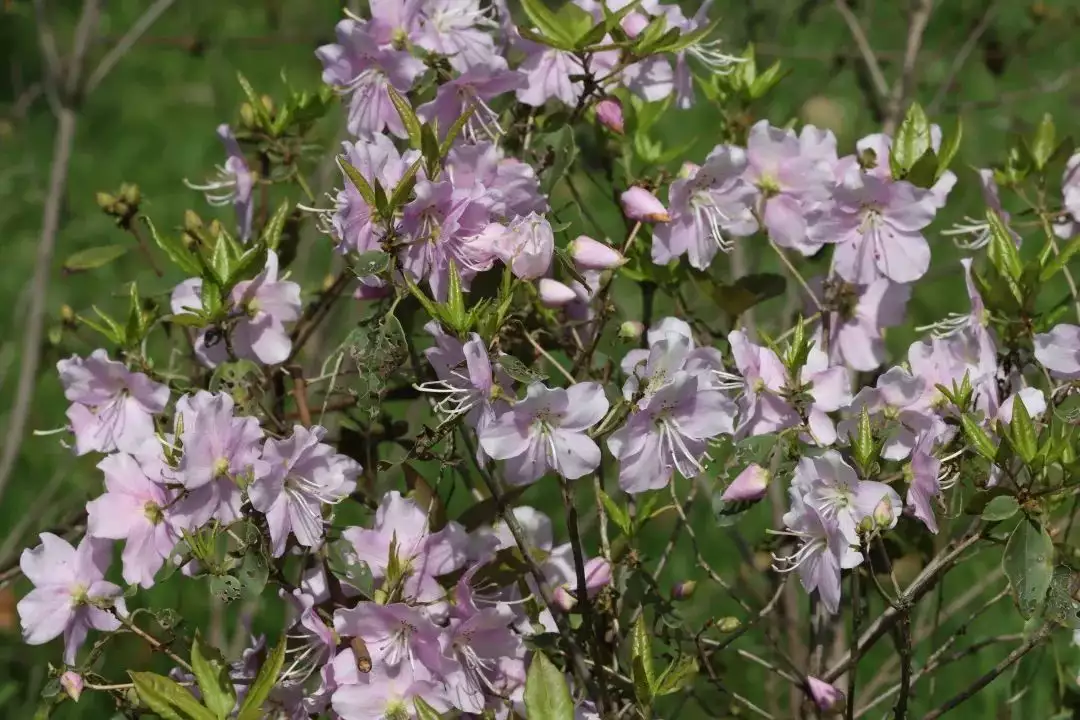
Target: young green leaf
(1028, 563)
(255, 101)
(1000, 508)
(1059, 262)
(408, 115)
(168, 698)
(642, 669)
(978, 438)
(542, 17)
(271, 236)
(911, 142)
(864, 447)
(404, 187)
(1022, 432)
(212, 675)
(677, 675)
(1002, 251)
(94, 257)
(455, 130)
(265, 681)
(949, 146)
(424, 711)
(359, 182)
(175, 250)
(1044, 141)
(547, 696)
(618, 515)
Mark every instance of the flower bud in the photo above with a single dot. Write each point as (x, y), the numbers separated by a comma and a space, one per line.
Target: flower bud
(554, 293)
(641, 205)
(884, 517)
(526, 245)
(105, 201)
(67, 315)
(631, 330)
(609, 113)
(72, 683)
(130, 193)
(687, 170)
(683, 590)
(750, 485)
(564, 599)
(597, 575)
(247, 115)
(592, 255)
(728, 624)
(825, 696)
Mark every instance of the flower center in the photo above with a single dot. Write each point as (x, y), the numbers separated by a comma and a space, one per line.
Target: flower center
(153, 513)
(221, 468)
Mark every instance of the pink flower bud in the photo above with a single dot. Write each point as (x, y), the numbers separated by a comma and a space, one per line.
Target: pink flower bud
(683, 590)
(609, 113)
(640, 204)
(597, 575)
(72, 683)
(883, 514)
(590, 254)
(750, 485)
(564, 599)
(687, 170)
(555, 294)
(631, 330)
(634, 23)
(825, 696)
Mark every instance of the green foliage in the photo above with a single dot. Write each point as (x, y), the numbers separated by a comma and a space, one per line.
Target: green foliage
(547, 696)
(1028, 563)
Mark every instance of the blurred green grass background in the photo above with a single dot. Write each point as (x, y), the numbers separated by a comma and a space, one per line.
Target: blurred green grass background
(152, 123)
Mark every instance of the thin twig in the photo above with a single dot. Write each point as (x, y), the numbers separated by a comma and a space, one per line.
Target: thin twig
(867, 52)
(961, 57)
(152, 641)
(137, 30)
(920, 16)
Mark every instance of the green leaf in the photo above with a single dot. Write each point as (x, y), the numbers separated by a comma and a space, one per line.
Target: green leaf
(252, 575)
(1044, 141)
(767, 80)
(372, 262)
(425, 711)
(949, 146)
(911, 142)
(168, 698)
(136, 323)
(547, 696)
(1000, 508)
(683, 41)
(264, 683)
(541, 16)
(1022, 432)
(864, 446)
(678, 675)
(563, 151)
(1061, 607)
(978, 438)
(271, 236)
(224, 587)
(1028, 563)
(94, 257)
(362, 186)
(748, 291)
(212, 674)
(175, 250)
(408, 115)
(923, 173)
(255, 101)
(577, 23)
(405, 186)
(1002, 251)
(1061, 260)
(642, 669)
(455, 130)
(617, 514)
(429, 148)
(518, 370)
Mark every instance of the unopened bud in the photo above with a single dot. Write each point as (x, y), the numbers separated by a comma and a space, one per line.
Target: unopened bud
(268, 103)
(641, 205)
(214, 229)
(866, 525)
(105, 201)
(593, 255)
(564, 599)
(328, 282)
(67, 314)
(610, 114)
(884, 517)
(130, 193)
(631, 330)
(683, 590)
(728, 624)
(825, 696)
(687, 170)
(750, 485)
(554, 293)
(72, 683)
(247, 115)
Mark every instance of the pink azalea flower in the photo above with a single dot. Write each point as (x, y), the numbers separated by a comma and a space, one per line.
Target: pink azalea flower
(472, 89)
(233, 184)
(458, 30)
(304, 474)
(511, 186)
(1059, 351)
(361, 65)
(825, 696)
(641, 205)
(387, 693)
(855, 328)
(546, 431)
(924, 484)
(351, 220)
(112, 407)
(830, 389)
(526, 245)
(398, 636)
(70, 594)
(609, 113)
(554, 294)
(762, 379)
(133, 509)
(749, 485)
(590, 254)
(829, 485)
(881, 146)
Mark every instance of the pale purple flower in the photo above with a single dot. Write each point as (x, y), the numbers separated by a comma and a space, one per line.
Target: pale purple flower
(590, 254)
(467, 384)
(560, 571)
(312, 641)
(262, 305)
(831, 487)
(472, 89)
(70, 594)
(1034, 402)
(972, 233)
(526, 245)
(304, 474)
(824, 695)
(712, 202)
(444, 225)
(791, 180)
(233, 184)
(749, 485)
(906, 402)
(924, 484)
(397, 635)
(830, 390)
(669, 432)
(458, 29)
(641, 205)
(671, 349)
(861, 314)
(401, 525)
(511, 186)
(362, 65)
(554, 293)
(881, 146)
(609, 113)
(1059, 351)
(351, 220)
(877, 226)
(546, 430)
(220, 449)
(112, 407)
(133, 509)
(549, 73)
(386, 693)
(394, 20)
(72, 682)
(761, 379)
(1069, 224)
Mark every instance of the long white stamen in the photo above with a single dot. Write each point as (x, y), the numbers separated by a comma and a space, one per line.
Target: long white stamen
(951, 325)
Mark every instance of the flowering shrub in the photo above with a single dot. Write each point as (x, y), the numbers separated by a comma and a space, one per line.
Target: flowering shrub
(416, 577)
